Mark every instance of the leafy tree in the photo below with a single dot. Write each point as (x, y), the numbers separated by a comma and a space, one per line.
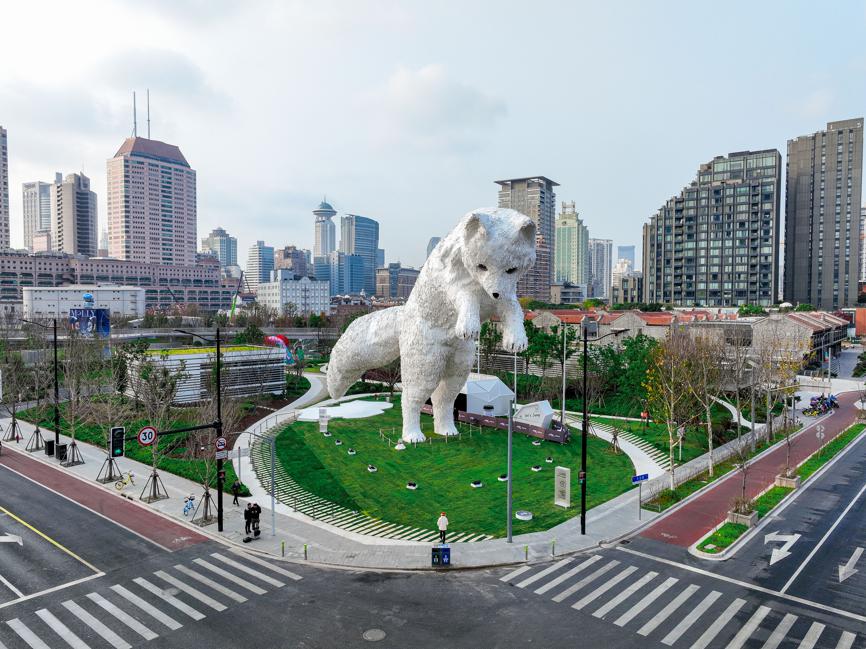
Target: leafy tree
(805, 307)
(751, 310)
(490, 339)
(706, 381)
(251, 335)
(563, 350)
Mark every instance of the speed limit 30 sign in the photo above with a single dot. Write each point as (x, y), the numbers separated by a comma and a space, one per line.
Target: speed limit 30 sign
(147, 436)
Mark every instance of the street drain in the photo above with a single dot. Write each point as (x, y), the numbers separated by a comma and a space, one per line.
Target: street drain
(373, 635)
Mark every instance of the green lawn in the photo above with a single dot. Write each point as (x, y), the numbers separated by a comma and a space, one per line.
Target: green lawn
(444, 472)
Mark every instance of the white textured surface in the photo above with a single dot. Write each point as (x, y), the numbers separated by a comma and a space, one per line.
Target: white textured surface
(349, 410)
(434, 333)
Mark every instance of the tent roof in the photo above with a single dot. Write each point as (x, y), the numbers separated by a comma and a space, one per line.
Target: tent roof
(487, 385)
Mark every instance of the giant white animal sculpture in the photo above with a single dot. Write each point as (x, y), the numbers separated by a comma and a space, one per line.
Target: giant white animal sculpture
(471, 275)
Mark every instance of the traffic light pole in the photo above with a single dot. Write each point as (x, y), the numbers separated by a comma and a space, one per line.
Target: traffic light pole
(56, 392)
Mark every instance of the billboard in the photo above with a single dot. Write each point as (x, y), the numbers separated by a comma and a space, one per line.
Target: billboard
(90, 322)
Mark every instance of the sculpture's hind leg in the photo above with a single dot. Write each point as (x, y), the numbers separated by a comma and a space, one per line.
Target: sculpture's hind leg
(421, 369)
(456, 371)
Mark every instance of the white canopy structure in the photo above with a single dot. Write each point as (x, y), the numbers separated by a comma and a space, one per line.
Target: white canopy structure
(485, 390)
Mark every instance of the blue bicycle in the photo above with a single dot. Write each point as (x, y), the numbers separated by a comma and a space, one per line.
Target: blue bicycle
(188, 504)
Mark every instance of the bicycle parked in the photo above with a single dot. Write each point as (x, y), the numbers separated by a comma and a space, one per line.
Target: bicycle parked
(188, 504)
(125, 479)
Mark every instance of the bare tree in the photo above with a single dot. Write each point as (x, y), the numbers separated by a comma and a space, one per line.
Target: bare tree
(742, 463)
(111, 408)
(705, 381)
(17, 381)
(81, 375)
(390, 374)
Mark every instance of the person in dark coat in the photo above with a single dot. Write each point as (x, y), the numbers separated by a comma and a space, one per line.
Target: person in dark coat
(248, 518)
(236, 490)
(256, 513)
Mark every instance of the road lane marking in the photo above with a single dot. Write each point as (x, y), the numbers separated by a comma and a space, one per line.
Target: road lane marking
(848, 568)
(207, 600)
(148, 608)
(543, 573)
(601, 590)
(811, 636)
(26, 634)
(53, 589)
(183, 607)
(583, 582)
(780, 632)
(553, 583)
(687, 622)
(788, 541)
(243, 583)
(269, 566)
(625, 594)
(718, 624)
(48, 538)
(107, 634)
(648, 599)
(846, 641)
(250, 571)
(61, 629)
(668, 610)
(123, 616)
(207, 581)
(9, 585)
(515, 573)
(823, 539)
(749, 628)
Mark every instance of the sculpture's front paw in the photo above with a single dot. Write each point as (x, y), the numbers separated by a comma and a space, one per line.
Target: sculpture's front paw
(411, 436)
(450, 429)
(514, 342)
(467, 328)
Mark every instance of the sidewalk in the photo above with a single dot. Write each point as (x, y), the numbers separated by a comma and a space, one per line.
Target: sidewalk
(700, 515)
(328, 545)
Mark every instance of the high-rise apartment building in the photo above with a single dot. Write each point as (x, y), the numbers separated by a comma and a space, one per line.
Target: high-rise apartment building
(4, 191)
(260, 263)
(535, 198)
(36, 203)
(359, 235)
(600, 267)
(380, 258)
(434, 241)
(221, 244)
(822, 220)
(292, 258)
(625, 252)
(396, 281)
(862, 264)
(151, 203)
(571, 259)
(347, 273)
(73, 216)
(716, 244)
(326, 232)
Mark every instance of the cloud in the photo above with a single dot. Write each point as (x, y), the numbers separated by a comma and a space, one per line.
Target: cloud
(190, 12)
(428, 109)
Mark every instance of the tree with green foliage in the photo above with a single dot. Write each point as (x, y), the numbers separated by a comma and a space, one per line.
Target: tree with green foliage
(563, 349)
(804, 307)
(490, 339)
(751, 310)
(251, 335)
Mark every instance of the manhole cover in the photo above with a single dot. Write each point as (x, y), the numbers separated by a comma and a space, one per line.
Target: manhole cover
(373, 635)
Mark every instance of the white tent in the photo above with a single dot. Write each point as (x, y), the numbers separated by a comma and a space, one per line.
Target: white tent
(485, 390)
(538, 413)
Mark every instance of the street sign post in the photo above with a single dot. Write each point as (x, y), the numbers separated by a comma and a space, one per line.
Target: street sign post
(222, 455)
(147, 436)
(639, 479)
(562, 487)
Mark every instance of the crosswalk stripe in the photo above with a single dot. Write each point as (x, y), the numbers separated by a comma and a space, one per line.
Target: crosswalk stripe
(207, 600)
(645, 601)
(553, 583)
(625, 594)
(583, 582)
(780, 632)
(543, 573)
(243, 583)
(107, 634)
(270, 566)
(846, 641)
(123, 616)
(183, 607)
(207, 581)
(601, 590)
(61, 629)
(148, 608)
(516, 573)
(667, 611)
(250, 571)
(749, 628)
(718, 624)
(26, 634)
(686, 623)
(812, 635)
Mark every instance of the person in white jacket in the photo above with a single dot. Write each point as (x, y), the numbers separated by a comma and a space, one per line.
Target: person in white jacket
(442, 524)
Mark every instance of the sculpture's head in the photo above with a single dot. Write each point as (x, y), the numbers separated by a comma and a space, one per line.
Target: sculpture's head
(499, 247)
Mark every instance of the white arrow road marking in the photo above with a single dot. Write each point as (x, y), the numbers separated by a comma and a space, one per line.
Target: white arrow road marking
(848, 569)
(11, 538)
(787, 541)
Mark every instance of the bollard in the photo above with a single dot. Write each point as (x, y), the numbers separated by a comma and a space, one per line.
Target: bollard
(283, 548)
(526, 553)
(553, 548)
(305, 551)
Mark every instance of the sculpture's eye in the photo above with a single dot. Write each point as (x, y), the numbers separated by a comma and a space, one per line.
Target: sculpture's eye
(482, 267)
(511, 270)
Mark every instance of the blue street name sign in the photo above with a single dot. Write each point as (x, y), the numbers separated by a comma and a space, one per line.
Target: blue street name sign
(640, 478)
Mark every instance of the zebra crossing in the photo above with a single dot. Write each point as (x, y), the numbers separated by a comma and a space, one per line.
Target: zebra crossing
(670, 610)
(290, 493)
(123, 614)
(656, 455)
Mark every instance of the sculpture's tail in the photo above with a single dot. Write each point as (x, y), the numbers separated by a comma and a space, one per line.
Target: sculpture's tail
(369, 342)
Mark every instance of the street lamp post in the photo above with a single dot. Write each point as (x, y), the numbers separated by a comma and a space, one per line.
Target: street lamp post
(509, 497)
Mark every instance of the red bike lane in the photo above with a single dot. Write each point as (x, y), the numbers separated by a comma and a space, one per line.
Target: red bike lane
(134, 517)
(697, 518)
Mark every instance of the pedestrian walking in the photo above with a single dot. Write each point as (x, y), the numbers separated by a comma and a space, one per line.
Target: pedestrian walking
(442, 524)
(248, 518)
(236, 490)
(256, 513)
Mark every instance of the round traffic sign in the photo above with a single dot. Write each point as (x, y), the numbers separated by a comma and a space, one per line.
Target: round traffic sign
(147, 436)
(221, 443)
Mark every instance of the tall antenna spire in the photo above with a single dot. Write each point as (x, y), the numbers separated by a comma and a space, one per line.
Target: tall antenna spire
(148, 113)
(134, 117)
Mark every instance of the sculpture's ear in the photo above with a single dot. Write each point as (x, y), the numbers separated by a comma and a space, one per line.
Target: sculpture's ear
(475, 226)
(527, 232)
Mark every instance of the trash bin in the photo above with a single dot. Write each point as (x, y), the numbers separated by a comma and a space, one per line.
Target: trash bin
(61, 452)
(437, 556)
(441, 557)
(49, 447)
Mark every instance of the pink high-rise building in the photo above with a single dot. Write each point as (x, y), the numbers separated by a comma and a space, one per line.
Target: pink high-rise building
(151, 204)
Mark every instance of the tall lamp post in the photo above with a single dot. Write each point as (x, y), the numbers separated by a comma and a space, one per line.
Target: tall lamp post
(56, 381)
(588, 326)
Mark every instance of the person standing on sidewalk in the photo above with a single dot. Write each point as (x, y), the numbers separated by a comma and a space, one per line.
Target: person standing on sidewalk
(442, 524)
(236, 490)
(248, 518)
(256, 513)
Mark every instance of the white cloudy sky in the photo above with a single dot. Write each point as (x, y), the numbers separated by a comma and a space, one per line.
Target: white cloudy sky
(407, 111)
